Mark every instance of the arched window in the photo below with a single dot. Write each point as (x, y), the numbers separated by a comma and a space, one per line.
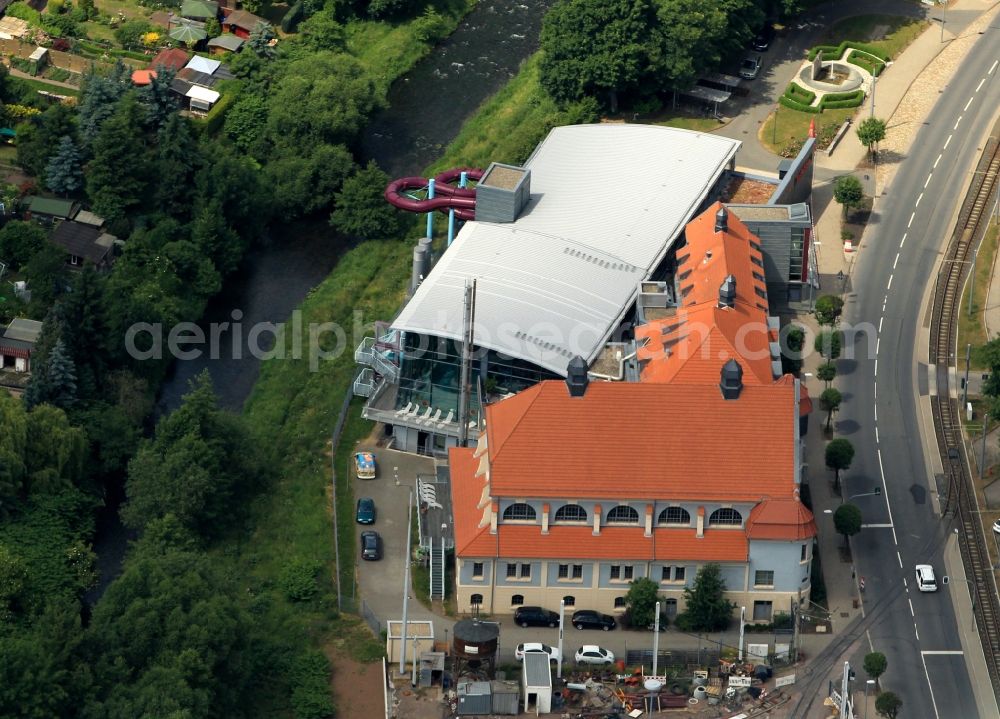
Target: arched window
(516, 600)
(519, 511)
(623, 514)
(619, 602)
(569, 600)
(674, 515)
(571, 513)
(725, 515)
(476, 600)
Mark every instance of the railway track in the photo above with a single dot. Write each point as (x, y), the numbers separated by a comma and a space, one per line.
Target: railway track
(960, 497)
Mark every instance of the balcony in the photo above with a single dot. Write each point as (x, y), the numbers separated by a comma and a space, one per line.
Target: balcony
(364, 383)
(364, 353)
(369, 356)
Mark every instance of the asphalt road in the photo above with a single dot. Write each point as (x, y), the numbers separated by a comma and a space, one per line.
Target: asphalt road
(880, 386)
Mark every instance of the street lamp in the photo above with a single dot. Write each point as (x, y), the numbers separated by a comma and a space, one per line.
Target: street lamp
(774, 125)
(868, 685)
(842, 279)
(944, 16)
(876, 491)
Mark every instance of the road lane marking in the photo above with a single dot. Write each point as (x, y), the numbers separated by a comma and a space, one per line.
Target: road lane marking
(912, 215)
(980, 85)
(964, 109)
(889, 286)
(895, 261)
(926, 674)
(879, 526)
(910, 602)
(876, 366)
(885, 494)
(917, 204)
(957, 122)
(927, 182)
(993, 67)
(876, 437)
(883, 316)
(900, 560)
(878, 340)
(903, 240)
(905, 584)
(917, 632)
(946, 143)
(943, 652)
(937, 161)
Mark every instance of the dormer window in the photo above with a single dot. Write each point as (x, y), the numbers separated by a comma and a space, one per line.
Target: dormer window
(519, 512)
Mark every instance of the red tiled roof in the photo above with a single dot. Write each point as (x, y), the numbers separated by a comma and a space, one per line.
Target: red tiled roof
(692, 345)
(143, 77)
(466, 490)
(643, 441)
(174, 59)
(785, 518)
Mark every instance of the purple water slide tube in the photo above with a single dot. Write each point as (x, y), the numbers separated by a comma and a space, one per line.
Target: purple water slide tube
(447, 196)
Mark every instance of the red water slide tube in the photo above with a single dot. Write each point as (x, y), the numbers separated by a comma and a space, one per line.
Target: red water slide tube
(446, 195)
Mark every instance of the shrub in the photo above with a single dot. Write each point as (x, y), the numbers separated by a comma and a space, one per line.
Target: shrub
(867, 63)
(23, 12)
(795, 105)
(835, 51)
(293, 17)
(798, 93)
(311, 686)
(835, 104)
(431, 26)
(298, 580)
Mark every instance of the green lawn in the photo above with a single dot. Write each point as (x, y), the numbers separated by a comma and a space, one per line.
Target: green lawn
(48, 87)
(971, 329)
(900, 32)
(686, 122)
(793, 125)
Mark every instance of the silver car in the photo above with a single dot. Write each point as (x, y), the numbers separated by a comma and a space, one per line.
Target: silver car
(750, 67)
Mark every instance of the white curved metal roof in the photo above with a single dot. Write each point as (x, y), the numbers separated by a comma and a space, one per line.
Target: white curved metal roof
(607, 201)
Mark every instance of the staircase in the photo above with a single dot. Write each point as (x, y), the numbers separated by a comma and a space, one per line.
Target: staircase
(437, 570)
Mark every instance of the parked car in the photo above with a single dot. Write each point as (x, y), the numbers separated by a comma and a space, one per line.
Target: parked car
(364, 465)
(926, 581)
(593, 654)
(535, 617)
(536, 647)
(764, 38)
(750, 67)
(589, 619)
(371, 545)
(366, 511)
(996, 526)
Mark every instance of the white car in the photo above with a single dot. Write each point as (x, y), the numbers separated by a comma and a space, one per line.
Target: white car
(593, 654)
(926, 581)
(532, 647)
(996, 526)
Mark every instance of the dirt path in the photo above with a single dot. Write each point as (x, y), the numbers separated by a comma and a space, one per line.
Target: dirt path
(357, 688)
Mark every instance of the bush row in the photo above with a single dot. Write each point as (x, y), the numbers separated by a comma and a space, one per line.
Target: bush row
(842, 99)
(831, 51)
(800, 94)
(796, 105)
(872, 66)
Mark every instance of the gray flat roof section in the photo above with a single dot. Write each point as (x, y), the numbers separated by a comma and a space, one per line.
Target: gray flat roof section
(607, 201)
(537, 672)
(706, 93)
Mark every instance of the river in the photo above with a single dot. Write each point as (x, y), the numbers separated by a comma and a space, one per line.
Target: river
(427, 108)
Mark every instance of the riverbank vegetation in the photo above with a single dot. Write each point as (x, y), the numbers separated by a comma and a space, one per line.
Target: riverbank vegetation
(206, 618)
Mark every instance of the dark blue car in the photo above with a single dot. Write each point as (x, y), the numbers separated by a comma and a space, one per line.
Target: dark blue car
(366, 511)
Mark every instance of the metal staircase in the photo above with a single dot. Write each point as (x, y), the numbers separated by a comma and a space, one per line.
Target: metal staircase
(437, 570)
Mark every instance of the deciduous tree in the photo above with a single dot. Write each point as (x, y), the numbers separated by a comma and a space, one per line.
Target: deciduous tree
(640, 602)
(826, 372)
(829, 402)
(708, 609)
(839, 455)
(888, 705)
(871, 131)
(118, 173)
(875, 664)
(847, 520)
(848, 192)
(19, 241)
(360, 209)
(828, 309)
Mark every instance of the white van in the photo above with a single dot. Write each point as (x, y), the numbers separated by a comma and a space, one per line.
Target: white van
(926, 581)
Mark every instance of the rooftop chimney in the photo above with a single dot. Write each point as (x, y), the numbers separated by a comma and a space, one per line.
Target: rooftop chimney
(731, 382)
(576, 376)
(722, 219)
(727, 292)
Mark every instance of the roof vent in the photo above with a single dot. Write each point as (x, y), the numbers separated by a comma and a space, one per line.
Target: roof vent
(721, 219)
(732, 380)
(727, 292)
(708, 255)
(576, 376)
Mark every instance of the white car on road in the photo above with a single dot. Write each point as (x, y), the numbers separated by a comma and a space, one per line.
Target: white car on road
(593, 654)
(533, 647)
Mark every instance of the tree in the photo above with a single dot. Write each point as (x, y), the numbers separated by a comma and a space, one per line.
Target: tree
(158, 97)
(847, 520)
(39, 138)
(598, 48)
(828, 309)
(63, 174)
(828, 344)
(361, 210)
(826, 372)
(260, 40)
(888, 705)
(875, 665)
(322, 32)
(99, 98)
(793, 339)
(177, 161)
(57, 384)
(640, 602)
(117, 174)
(55, 453)
(129, 33)
(848, 192)
(871, 131)
(839, 455)
(708, 610)
(46, 274)
(307, 183)
(246, 123)
(829, 402)
(19, 241)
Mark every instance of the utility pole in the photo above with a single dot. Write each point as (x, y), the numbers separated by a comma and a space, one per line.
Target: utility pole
(774, 125)
(874, 83)
(656, 639)
(944, 16)
(406, 583)
(743, 614)
(965, 387)
(982, 456)
(468, 336)
(562, 617)
(972, 279)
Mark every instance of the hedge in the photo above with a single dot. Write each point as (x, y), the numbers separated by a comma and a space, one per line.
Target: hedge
(217, 115)
(795, 105)
(834, 104)
(293, 17)
(830, 51)
(873, 67)
(860, 94)
(796, 92)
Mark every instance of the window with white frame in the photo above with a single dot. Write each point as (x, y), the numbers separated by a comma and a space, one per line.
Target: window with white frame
(476, 600)
(672, 574)
(619, 602)
(805, 553)
(726, 516)
(674, 515)
(763, 578)
(519, 512)
(623, 514)
(511, 570)
(516, 600)
(477, 570)
(622, 572)
(570, 513)
(570, 571)
(525, 571)
(762, 611)
(569, 600)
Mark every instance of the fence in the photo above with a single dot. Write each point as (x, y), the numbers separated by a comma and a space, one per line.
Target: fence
(338, 429)
(683, 660)
(370, 618)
